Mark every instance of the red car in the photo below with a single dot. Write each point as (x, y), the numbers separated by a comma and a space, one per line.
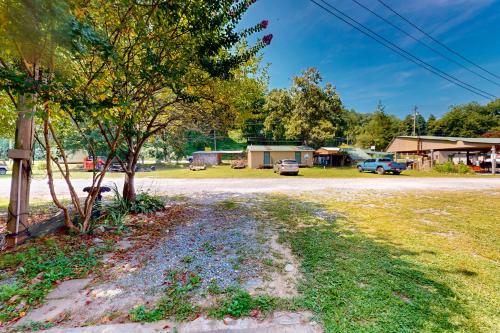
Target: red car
(90, 165)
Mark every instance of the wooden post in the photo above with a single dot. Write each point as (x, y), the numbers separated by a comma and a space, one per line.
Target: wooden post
(493, 160)
(21, 170)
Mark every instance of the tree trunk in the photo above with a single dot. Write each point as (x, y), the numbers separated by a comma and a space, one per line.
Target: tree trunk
(129, 187)
(129, 184)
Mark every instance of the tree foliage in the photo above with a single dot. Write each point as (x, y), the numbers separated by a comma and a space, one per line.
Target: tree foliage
(308, 112)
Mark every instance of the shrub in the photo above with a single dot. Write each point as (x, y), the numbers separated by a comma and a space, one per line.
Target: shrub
(449, 167)
(146, 203)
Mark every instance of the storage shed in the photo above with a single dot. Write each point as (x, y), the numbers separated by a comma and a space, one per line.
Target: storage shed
(215, 157)
(330, 157)
(264, 156)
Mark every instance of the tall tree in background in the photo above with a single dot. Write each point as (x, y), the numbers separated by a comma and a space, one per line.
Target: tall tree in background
(380, 129)
(308, 112)
(469, 120)
(419, 122)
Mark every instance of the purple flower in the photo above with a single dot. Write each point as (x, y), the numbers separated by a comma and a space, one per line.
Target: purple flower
(264, 24)
(267, 39)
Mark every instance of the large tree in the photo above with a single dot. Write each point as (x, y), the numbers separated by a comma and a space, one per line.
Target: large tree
(309, 112)
(380, 129)
(169, 59)
(468, 120)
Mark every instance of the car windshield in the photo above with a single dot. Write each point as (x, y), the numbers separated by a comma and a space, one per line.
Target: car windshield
(289, 162)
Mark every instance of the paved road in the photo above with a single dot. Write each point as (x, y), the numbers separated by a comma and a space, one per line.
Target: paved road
(39, 188)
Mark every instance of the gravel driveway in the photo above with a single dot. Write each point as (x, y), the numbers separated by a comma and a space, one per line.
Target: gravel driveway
(39, 188)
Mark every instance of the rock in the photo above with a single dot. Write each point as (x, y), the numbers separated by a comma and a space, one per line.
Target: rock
(108, 293)
(97, 241)
(288, 268)
(253, 283)
(99, 230)
(124, 244)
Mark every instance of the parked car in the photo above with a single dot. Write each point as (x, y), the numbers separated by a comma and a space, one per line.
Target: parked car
(381, 166)
(290, 167)
(239, 164)
(3, 169)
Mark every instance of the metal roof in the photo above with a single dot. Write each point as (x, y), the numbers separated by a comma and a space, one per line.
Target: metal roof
(330, 148)
(278, 148)
(454, 139)
(219, 152)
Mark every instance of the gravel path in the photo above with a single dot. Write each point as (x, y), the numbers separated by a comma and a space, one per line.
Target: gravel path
(39, 189)
(213, 245)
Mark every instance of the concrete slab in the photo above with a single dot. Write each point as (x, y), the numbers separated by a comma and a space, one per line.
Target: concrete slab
(280, 322)
(68, 288)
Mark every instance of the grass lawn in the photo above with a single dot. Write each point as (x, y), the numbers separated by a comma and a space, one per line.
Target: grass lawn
(426, 262)
(225, 171)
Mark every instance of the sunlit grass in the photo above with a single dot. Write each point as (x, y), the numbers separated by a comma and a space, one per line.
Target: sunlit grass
(405, 262)
(225, 171)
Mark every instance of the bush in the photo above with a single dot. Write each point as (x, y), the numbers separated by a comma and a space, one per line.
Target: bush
(146, 203)
(449, 167)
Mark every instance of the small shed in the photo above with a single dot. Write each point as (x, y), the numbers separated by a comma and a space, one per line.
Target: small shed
(264, 156)
(330, 156)
(216, 157)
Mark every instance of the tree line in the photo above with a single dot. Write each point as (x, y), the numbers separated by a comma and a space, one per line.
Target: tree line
(311, 112)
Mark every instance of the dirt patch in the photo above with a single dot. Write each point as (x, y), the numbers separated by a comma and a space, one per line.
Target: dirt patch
(282, 274)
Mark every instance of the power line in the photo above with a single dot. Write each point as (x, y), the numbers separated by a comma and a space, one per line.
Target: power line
(435, 40)
(425, 44)
(382, 40)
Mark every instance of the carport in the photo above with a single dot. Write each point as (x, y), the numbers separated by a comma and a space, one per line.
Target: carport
(478, 152)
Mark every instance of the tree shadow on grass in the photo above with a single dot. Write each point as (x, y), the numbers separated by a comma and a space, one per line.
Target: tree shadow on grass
(357, 284)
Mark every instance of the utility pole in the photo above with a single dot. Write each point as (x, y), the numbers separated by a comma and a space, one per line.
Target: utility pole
(21, 170)
(414, 133)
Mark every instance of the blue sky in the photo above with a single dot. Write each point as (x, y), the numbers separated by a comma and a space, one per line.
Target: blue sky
(365, 72)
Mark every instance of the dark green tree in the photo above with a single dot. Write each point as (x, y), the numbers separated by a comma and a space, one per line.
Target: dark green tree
(308, 112)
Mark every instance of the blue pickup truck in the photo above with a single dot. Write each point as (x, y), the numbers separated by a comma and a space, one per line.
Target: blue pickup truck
(381, 166)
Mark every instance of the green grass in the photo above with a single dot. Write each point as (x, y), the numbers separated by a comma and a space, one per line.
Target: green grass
(225, 171)
(409, 262)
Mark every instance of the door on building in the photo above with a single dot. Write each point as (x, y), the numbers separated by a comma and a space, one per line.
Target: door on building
(267, 158)
(298, 157)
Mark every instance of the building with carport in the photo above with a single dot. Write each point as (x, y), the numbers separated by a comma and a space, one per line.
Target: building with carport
(436, 149)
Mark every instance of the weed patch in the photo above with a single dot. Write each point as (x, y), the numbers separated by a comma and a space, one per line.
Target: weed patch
(239, 303)
(175, 303)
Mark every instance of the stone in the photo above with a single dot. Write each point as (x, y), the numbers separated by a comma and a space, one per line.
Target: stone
(108, 293)
(99, 230)
(124, 244)
(253, 283)
(97, 241)
(288, 268)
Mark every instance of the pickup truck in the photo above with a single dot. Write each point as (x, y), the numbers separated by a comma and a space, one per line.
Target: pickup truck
(381, 166)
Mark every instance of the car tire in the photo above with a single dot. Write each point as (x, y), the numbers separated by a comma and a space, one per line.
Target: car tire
(3, 172)
(380, 170)
(295, 173)
(396, 173)
(360, 169)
